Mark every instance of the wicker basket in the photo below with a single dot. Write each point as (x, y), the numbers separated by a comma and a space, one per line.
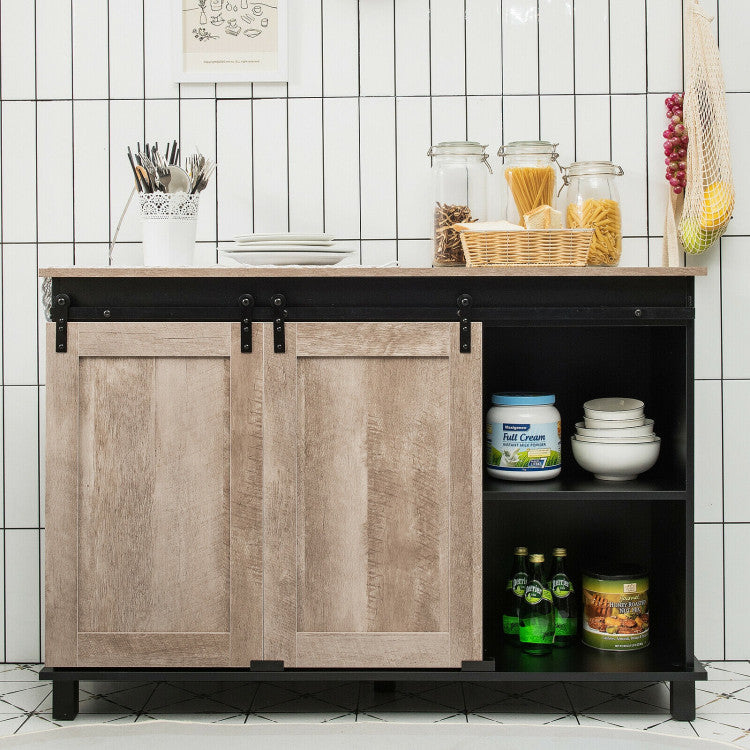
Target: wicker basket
(535, 247)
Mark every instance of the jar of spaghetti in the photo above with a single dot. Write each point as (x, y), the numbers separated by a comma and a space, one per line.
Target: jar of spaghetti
(459, 170)
(530, 178)
(593, 202)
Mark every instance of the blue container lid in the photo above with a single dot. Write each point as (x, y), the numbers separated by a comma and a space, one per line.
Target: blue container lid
(522, 399)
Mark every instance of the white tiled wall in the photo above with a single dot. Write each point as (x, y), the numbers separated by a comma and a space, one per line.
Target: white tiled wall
(342, 148)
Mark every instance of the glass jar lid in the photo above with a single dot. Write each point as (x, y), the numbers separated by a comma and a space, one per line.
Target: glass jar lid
(462, 148)
(580, 168)
(529, 148)
(458, 148)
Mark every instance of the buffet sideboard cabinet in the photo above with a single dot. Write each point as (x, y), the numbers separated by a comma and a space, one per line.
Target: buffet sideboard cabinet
(277, 474)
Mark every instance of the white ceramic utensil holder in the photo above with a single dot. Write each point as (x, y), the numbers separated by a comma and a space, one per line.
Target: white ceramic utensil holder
(169, 226)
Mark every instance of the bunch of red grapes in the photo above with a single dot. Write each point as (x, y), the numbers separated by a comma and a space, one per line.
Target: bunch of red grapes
(675, 144)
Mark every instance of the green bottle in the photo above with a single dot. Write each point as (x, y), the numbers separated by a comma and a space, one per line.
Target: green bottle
(563, 597)
(514, 591)
(537, 622)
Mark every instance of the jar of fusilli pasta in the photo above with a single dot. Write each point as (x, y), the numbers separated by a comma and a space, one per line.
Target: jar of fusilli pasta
(593, 202)
(530, 177)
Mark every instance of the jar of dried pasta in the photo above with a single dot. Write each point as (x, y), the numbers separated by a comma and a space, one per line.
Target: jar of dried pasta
(530, 178)
(459, 171)
(593, 202)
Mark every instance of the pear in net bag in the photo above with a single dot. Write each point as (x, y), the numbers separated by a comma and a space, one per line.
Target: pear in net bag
(709, 196)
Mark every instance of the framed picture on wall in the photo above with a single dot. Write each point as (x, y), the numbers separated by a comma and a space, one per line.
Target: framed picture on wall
(230, 40)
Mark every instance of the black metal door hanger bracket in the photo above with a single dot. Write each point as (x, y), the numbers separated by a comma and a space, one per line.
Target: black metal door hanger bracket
(246, 331)
(59, 314)
(278, 307)
(464, 311)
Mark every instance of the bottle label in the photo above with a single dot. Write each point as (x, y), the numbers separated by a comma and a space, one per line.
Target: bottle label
(510, 625)
(561, 586)
(523, 447)
(565, 626)
(535, 592)
(518, 584)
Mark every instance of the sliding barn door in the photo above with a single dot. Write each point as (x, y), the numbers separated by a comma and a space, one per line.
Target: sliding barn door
(154, 496)
(372, 496)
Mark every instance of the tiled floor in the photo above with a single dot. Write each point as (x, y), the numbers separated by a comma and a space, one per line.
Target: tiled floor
(723, 703)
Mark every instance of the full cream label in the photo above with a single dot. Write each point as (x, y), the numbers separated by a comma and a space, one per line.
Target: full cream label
(521, 446)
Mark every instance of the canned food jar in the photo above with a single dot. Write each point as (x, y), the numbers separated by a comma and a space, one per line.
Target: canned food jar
(616, 609)
(530, 177)
(594, 203)
(523, 437)
(459, 173)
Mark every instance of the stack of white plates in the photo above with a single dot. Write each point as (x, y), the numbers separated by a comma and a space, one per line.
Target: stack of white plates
(284, 250)
(615, 441)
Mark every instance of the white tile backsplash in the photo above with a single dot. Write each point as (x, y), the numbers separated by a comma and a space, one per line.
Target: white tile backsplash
(377, 148)
(17, 51)
(556, 48)
(269, 156)
(22, 632)
(91, 171)
(708, 450)
(735, 302)
(90, 52)
(735, 51)
(484, 61)
(19, 171)
(737, 607)
(55, 183)
(54, 50)
(340, 48)
(305, 165)
(709, 590)
(19, 315)
(21, 452)
(354, 163)
(708, 324)
(413, 166)
(736, 411)
(520, 47)
(627, 40)
(592, 47)
(664, 49)
(593, 139)
(305, 51)
(376, 40)
(341, 156)
(234, 179)
(448, 47)
(413, 48)
(126, 64)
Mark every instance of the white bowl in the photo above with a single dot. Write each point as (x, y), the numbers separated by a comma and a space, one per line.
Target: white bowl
(616, 462)
(613, 408)
(645, 429)
(637, 439)
(613, 424)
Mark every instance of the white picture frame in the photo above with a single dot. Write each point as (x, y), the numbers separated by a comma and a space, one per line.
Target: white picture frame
(233, 41)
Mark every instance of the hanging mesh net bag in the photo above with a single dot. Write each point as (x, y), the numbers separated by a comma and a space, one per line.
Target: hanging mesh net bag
(709, 195)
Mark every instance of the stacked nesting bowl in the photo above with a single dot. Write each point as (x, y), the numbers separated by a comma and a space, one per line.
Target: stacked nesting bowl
(615, 441)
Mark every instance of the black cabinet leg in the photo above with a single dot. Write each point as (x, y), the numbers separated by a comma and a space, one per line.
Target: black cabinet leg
(682, 700)
(64, 699)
